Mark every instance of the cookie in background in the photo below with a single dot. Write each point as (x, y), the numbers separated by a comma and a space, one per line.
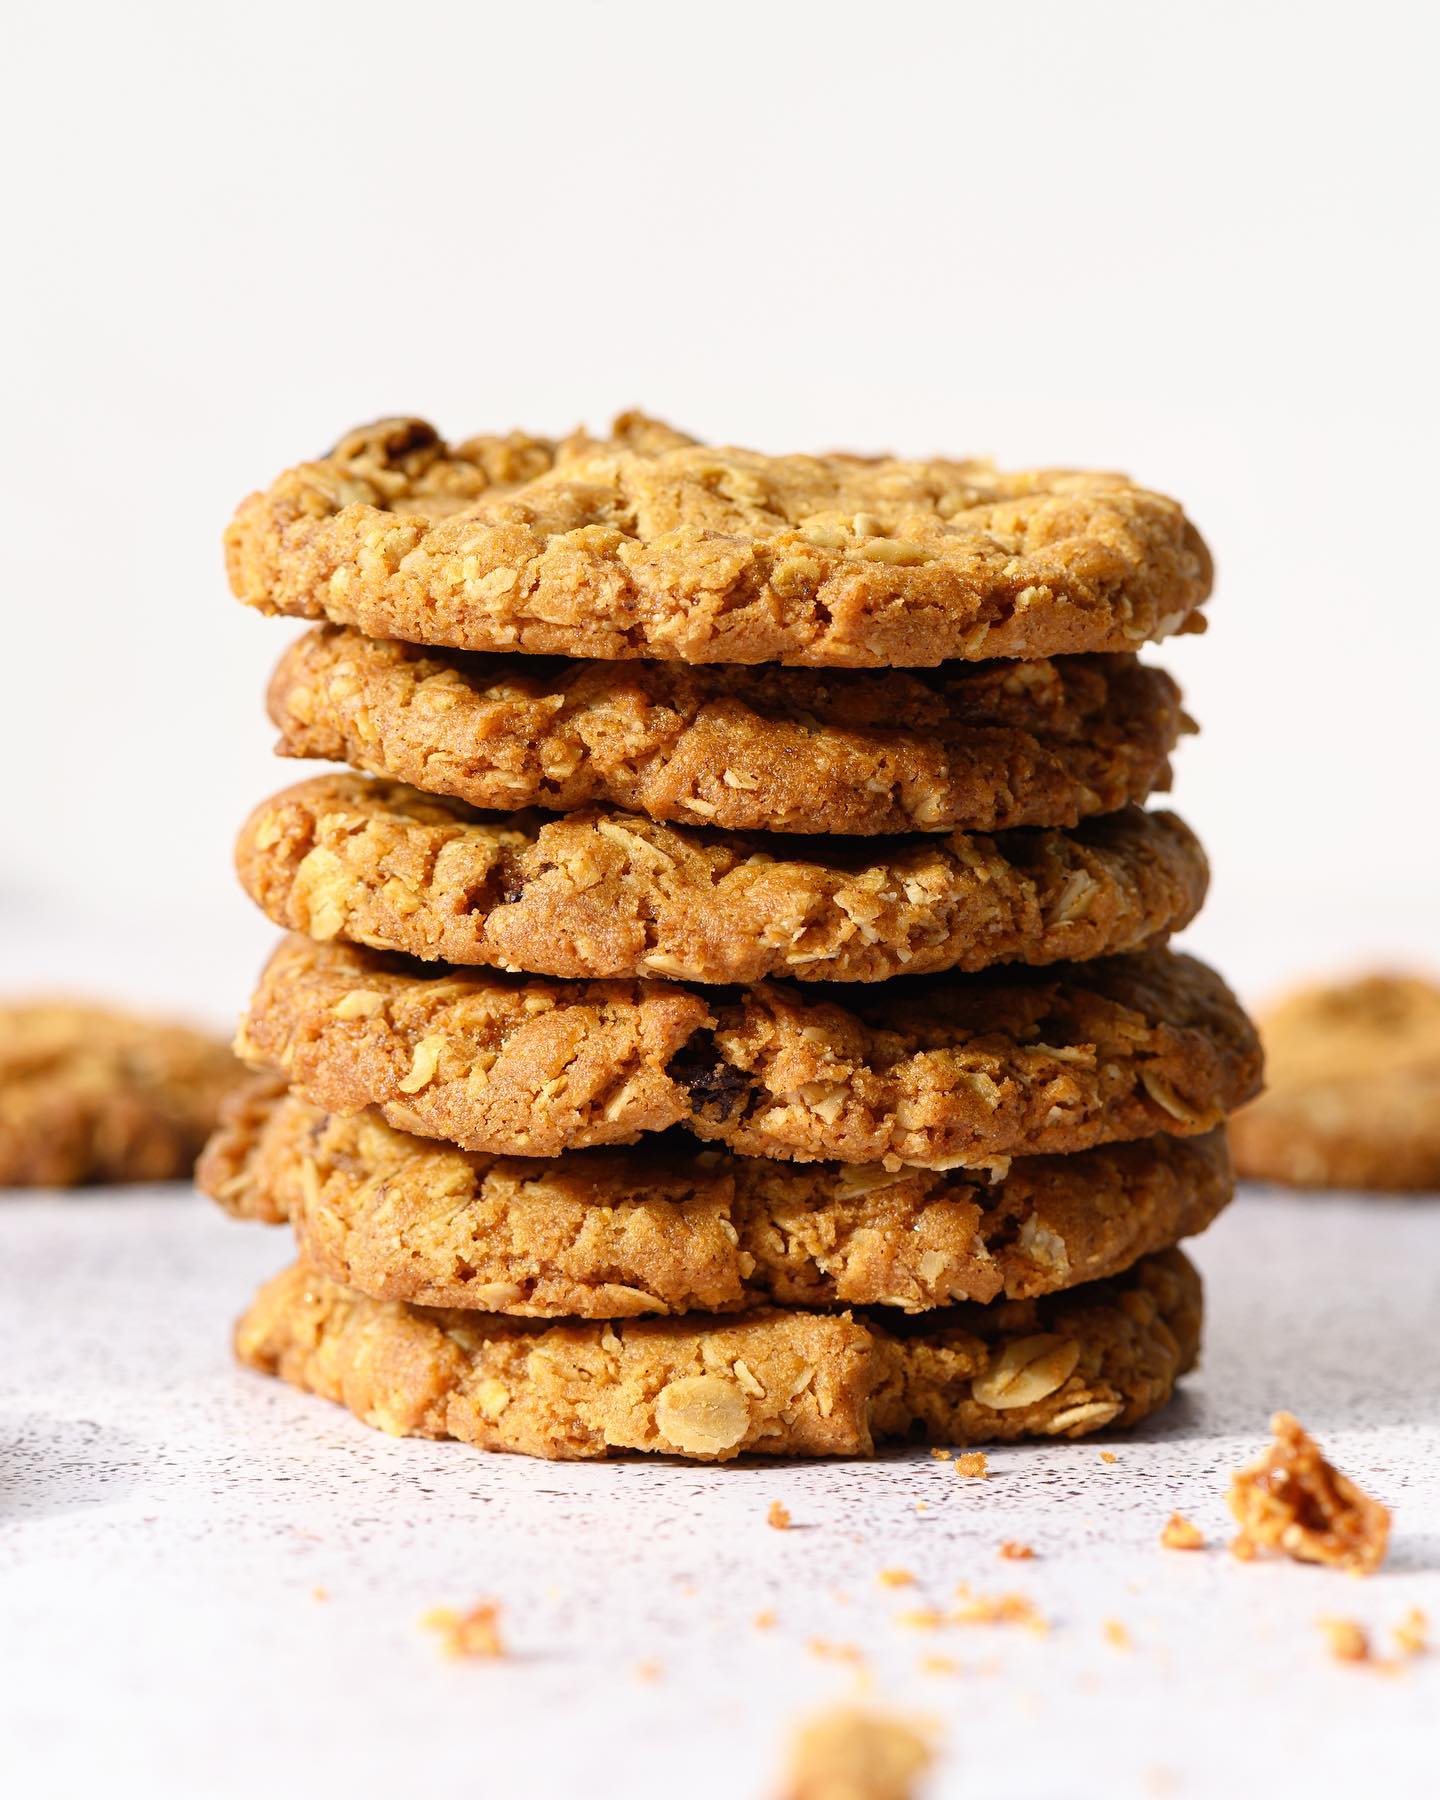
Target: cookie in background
(92, 1094)
(1353, 1088)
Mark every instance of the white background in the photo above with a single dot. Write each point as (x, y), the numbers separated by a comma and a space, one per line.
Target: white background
(1195, 243)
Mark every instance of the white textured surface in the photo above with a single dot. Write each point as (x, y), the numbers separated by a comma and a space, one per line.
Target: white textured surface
(169, 1518)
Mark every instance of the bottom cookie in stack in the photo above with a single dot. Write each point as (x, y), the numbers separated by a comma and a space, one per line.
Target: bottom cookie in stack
(1046, 1303)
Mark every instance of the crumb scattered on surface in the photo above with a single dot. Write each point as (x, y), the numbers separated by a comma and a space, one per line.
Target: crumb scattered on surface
(1012, 1551)
(1347, 1641)
(778, 1516)
(765, 1620)
(1117, 1635)
(942, 1455)
(470, 1634)
(996, 1609)
(921, 1618)
(973, 1463)
(1180, 1534)
(649, 1670)
(1412, 1634)
(896, 1578)
(319, 1593)
(1108, 1456)
(922, 1506)
(828, 1651)
(939, 1665)
(855, 1754)
(1293, 1501)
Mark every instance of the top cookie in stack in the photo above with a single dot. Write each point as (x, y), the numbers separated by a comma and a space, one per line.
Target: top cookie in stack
(477, 1011)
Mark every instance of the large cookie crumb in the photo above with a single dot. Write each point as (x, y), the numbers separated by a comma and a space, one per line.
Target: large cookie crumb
(1293, 1501)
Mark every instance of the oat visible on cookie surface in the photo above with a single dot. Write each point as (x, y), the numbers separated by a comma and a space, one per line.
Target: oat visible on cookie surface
(786, 1382)
(92, 1094)
(936, 1072)
(1294, 1501)
(977, 747)
(600, 894)
(1353, 1088)
(674, 1227)
(649, 545)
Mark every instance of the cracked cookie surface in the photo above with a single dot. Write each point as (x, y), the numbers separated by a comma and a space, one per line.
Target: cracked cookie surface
(1352, 1094)
(600, 894)
(673, 1228)
(931, 1072)
(650, 545)
(978, 747)
(90, 1094)
(776, 1382)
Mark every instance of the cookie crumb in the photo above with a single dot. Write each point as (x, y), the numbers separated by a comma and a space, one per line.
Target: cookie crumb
(921, 1618)
(922, 1506)
(1012, 1551)
(1412, 1634)
(832, 1652)
(319, 1593)
(1117, 1635)
(1347, 1641)
(778, 1516)
(474, 1634)
(973, 1463)
(764, 1620)
(1295, 1502)
(996, 1609)
(939, 1665)
(942, 1455)
(850, 1754)
(896, 1578)
(649, 1670)
(1180, 1534)
(1108, 1456)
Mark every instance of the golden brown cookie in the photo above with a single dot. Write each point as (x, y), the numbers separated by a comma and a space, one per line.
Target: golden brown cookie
(92, 1094)
(600, 894)
(648, 545)
(1353, 1089)
(933, 1072)
(970, 747)
(609, 1234)
(790, 1383)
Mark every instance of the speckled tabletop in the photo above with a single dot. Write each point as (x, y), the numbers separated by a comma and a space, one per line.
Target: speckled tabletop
(212, 1585)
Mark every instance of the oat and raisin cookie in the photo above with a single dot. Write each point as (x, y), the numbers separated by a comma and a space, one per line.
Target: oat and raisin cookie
(598, 894)
(934, 1072)
(91, 1094)
(1353, 1089)
(971, 747)
(790, 1382)
(671, 1228)
(649, 545)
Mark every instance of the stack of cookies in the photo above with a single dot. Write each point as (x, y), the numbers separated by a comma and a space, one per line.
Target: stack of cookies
(728, 1008)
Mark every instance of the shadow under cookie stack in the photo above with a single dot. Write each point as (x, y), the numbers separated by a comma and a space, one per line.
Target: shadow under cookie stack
(728, 1010)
